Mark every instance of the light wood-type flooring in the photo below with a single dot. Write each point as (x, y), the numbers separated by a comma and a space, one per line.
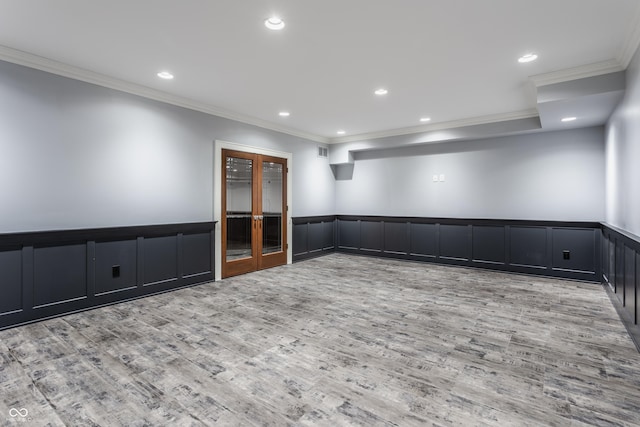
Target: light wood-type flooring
(333, 341)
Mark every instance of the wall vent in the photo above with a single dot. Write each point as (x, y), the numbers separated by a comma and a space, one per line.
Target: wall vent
(323, 152)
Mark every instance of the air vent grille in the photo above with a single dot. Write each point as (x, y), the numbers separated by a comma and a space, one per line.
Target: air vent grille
(323, 152)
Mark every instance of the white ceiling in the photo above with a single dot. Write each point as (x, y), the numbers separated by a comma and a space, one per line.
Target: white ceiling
(452, 60)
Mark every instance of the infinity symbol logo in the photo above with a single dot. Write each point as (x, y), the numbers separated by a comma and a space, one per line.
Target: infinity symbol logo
(18, 412)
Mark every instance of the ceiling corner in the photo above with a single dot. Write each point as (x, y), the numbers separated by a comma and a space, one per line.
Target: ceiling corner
(58, 68)
(575, 73)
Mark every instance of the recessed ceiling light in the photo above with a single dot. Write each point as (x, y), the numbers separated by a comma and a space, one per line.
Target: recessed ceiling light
(569, 119)
(381, 91)
(341, 132)
(527, 58)
(274, 23)
(284, 114)
(425, 119)
(165, 75)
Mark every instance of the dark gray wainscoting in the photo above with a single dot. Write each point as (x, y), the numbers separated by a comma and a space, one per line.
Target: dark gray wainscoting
(45, 274)
(620, 264)
(313, 236)
(559, 249)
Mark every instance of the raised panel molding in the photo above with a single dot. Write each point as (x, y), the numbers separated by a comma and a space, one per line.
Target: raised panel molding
(316, 237)
(116, 266)
(424, 240)
(630, 281)
(60, 274)
(313, 236)
(300, 240)
(11, 277)
(489, 244)
(454, 242)
(529, 247)
(635, 319)
(621, 278)
(45, 274)
(612, 261)
(160, 260)
(329, 233)
(197, 254)
(397, 238)
(580, 244)
(371, 236)
(522, 246)
(349, 235)
(509, 245)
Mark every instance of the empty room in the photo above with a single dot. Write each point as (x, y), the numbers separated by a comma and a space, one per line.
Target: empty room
(320, 213)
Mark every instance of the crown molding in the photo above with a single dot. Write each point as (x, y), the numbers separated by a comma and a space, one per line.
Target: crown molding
(632, 40)
(471, 121)
(48, 65)
(575, 73)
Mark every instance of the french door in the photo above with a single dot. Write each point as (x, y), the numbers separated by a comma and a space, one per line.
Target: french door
(254, 212)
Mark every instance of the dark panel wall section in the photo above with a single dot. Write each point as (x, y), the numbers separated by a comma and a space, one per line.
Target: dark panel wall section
(396, 238)
(454, 242)
(116, 266)
(508, 245)
(60, 274)
(371, 236)
(528, 247)
(160, 260)
(10, 281)
(619, 276)
(489, 244)
(197, 254)
(349, 235)
(423, 240)
(574, 249)
(622, 278)
(551, 248)
(313, 236)
(46, 274)
(329, 232)
(300, 238)
(605, 258)
(630, 281)
(611, 256)
(316, 236)
(636, 316)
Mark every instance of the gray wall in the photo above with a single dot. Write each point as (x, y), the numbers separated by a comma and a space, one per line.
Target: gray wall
(542, 176)
(622, 156)
(76, 155)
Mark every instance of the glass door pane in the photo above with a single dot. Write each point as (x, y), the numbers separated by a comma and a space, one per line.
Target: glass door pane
(272, 177)
(239, 192)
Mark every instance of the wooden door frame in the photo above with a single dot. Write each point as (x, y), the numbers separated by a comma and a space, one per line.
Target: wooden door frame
(217, 195)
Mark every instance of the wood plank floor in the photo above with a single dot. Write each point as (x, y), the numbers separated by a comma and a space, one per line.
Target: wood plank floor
(337, 340)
